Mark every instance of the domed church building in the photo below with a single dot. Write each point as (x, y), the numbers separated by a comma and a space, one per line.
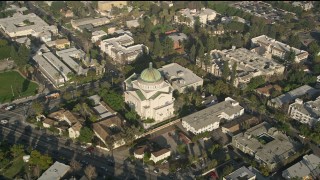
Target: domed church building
(149, 95)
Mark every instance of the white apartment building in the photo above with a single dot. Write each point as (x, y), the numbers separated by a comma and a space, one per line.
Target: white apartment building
(209, 118)
(121, 49)
(181, 78)
(187, 16)
(24, 25)
(267, 47)
(249, 65)
(306, 113)
(149, 95)
(160, 155)
(97, 35)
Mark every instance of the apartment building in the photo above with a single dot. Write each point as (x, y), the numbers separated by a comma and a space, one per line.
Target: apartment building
(269, 47)
(181, 78)
(88, 23)
(241, 173)
(23, 25)
(55, 171)
(305, 112)
(121, 49)
(70, 57)
(209, 118)
(160, 155)
(97, 35)
(267, 145)
(188, 16)
(249, 65)
(52, 68)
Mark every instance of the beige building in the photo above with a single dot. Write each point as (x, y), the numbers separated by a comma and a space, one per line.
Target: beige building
(74, 131)
(62, 43)
(107, 5)
(149, 95)
(188, 16)
(160, 155)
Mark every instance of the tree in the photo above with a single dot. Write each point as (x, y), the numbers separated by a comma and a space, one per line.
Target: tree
(168, 46)
(110, 143)
(233, 72)
(227, 170)
(75, 165)
(113, 99)
(43, 162)
(56, 6)
(90, 172)
(86, 135)
(219, 88)
(13, 53)
(182, 148)
(207, 60)
(37, 107)
(157, 48)
(294, 41)
(193, 53)
(147, 25)
(23, 56)
(16, 150)
(225, 70)
(255, 82)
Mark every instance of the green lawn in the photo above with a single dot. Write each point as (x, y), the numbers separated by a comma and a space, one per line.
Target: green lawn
(15, 168)
(4, 52)
(21, 87)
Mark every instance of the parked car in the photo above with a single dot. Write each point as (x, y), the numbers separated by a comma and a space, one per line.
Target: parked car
(10, 107)
(4, 121)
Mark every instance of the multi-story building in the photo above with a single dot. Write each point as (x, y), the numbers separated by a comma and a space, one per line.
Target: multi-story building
(149, 95)
(209, 118)
(121, 49)
(290, 96)
(306, 113)
(160, 155)
(97, 35)
(267, 145)
(269, 47)
(52, 68)
(107, 5)
(181, 78)
(70, 57)
(305, 5)
(188, 16)
(307, 168)
(62, 43)
(249, 65)
(88, 23)
(241, 173)
(56, 171)
(24, 25)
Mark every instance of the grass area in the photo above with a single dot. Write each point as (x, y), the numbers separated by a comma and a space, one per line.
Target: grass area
(15, 168)
(21, 87)
(4, 52)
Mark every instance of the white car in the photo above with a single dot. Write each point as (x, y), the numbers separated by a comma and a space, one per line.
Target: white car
(4, 121)
(156, 171)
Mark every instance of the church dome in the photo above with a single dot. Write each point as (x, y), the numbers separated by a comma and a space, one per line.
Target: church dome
(150, 75)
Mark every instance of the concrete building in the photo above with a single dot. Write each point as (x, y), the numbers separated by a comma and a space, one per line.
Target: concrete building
(307, 168)
(132, 23)
(181, 78)
(234, 126)
(149, 95)
(55, 172)
(24, 25)
(62, 43)
(241, 173)
(305, 5)
(269, 47)
(72, 57)
(160, 155)
(107, 5)
(139, 153)
(188, 16)
(267, 145)
(249, 65)
(209, 118)
(97, 35)
(88, 23)
(121, 49)
(52, 68)
(290, 96)
(305, 112)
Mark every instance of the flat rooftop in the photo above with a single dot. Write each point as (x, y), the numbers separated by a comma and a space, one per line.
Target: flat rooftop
(178, 75)
(242, 173)
(311, 108)
(212, 114)
(56, 171)
(67, 56)
(59, 65)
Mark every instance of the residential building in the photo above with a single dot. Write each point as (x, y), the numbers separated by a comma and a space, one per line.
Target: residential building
(56, 171)
(307, 168)
(305, 112)
(305, 5)
(24, 25)
(139, 152)
(107, 128)
(188, 16)
(209, 118)
(70, 57)
(74, 130)
(243, 122)
(24, 40)
(268, 47)
(107, 5)
(149, 95)
(181, 78)
(267, 145)
(62, 43)
(268, 90)
(160, 155)
(248, 65)
(241, 173)
(228, 19)
(88, 23)
(52, 68)
(178, 39)
(290, 96)
(132, 23)
(101, 108)
(67, 13)
(97, 35)
(48, 122)
(121, 49)
(16, 9)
